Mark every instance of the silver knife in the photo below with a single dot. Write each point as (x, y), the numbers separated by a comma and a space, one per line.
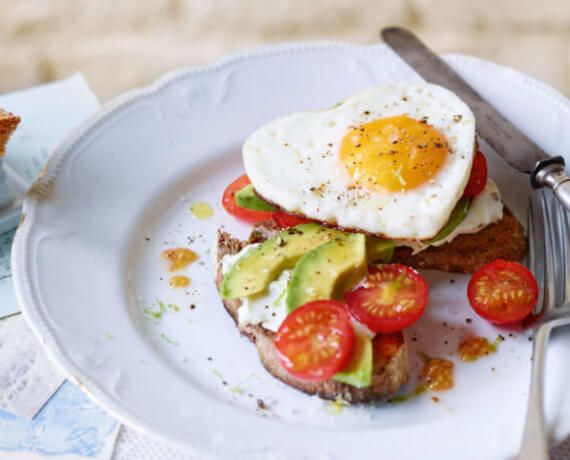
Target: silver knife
(506, 139)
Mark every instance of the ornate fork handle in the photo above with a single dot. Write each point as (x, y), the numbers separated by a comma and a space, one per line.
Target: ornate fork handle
(549, 260)
(534, 445)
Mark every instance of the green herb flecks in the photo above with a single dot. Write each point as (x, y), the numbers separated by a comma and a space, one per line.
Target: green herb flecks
(279, 299)
(157, 313)
(398, 174)
(173, 307)
(495, 344)
(238, 388)
(218, 374)
(167, 340)
(336, 407)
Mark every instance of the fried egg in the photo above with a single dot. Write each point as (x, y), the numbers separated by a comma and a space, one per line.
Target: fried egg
(392, 161)
(486, 208)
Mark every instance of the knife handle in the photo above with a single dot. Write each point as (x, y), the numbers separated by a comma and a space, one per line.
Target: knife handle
(551, 174)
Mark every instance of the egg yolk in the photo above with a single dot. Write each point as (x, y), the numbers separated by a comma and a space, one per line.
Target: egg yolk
(395, 153)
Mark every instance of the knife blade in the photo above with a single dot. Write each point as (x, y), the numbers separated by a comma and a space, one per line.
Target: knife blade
(505, 138)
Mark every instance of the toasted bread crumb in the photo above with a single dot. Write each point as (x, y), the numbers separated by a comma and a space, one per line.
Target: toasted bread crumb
(8, 124)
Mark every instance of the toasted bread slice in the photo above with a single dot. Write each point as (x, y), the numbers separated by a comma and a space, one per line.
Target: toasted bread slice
(8, 124)
(390, 365)
(467, 253)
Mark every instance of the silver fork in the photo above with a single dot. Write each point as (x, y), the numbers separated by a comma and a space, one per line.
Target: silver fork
(549, 261)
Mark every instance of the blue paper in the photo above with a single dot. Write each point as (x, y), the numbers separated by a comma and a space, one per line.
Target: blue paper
(68, 424)
(8, 303)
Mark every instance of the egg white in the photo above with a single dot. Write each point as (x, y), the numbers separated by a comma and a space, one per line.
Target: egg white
(294, 163)
(486, 208)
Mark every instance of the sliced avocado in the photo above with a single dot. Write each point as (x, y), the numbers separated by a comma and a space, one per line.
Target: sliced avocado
(328, 271)
(379, 250)
(253, 272)
(457, 215)
(246, 198)
(358, 371)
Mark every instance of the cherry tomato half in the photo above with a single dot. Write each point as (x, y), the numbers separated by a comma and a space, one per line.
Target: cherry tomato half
(315, 341)
(287, 220)
(229, 202)
(503, 292)
(478, 178)
(393, 297)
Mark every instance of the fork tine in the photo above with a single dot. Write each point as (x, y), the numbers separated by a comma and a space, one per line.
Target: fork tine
(554, 265)
(550, 274)
(565, 259)
(536, 243)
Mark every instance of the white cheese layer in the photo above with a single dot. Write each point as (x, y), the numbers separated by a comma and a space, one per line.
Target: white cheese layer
(268, 307)
(485, 209)
(228, 260)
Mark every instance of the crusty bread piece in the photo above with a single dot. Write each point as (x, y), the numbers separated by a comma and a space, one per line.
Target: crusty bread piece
(390, 366)
(467, 253)
(504, 239)
(8, 124)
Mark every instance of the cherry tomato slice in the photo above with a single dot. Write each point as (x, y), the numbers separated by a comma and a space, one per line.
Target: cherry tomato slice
(287, 220)
(229, 202)
(478, 178)
(315, 341)
(503, 292)
(393, 297)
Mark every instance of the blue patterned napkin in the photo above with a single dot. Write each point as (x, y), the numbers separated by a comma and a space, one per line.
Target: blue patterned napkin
(69, 424)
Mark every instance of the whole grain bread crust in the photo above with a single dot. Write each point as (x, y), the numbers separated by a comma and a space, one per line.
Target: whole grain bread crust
(467, 253)
(390, 365)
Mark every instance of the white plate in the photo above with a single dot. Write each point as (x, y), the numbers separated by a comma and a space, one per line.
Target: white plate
(85, 271)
